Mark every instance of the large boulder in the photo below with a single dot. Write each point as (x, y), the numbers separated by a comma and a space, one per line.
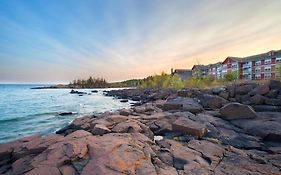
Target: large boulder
(257, 99)
(243, 89)
(231, 90)
(232, 111)
(224, 94)
(185, 125)
(211, 101)
(261, 90)
(274, 84)
(185, 104)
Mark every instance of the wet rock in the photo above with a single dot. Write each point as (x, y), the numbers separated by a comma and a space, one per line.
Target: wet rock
(94, 91)
(77, 92)
(188, 126)
(237, 111)
(65, 113)
(124, 100)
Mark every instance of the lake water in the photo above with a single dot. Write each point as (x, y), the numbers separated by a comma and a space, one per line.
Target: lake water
(25, 111)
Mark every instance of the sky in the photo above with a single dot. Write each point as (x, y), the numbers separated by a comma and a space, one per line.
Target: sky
(58, 41)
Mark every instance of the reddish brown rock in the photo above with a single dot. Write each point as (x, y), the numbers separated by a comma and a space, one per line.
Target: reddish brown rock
(44, 171)
(67, 170)
(188, 126)
(127, 127)
(100, 129)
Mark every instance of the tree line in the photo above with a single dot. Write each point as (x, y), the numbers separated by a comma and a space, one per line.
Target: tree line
(91, 82)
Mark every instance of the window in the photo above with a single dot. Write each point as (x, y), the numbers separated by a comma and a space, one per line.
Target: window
(258, 76)
(268, 61)
(258, 69)
(267, 69)
(257, 63)
(278, 60)
(266, 76)
(234, 65)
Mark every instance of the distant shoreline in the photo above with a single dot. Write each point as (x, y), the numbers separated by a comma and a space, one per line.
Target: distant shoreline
(71, 87)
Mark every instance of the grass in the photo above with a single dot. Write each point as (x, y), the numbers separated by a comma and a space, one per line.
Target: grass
(168, 81)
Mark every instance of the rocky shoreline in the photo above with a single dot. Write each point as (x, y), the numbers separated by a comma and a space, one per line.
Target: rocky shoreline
(231, 130)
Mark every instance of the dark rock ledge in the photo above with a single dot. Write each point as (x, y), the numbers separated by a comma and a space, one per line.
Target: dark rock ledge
(198, 132)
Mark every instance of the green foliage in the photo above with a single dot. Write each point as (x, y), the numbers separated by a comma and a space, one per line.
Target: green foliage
(89, 83)
(278, 70)
(162, 81)
(174, 81)
(231, 76)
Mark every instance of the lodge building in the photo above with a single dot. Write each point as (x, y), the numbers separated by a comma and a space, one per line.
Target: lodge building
(256, 67)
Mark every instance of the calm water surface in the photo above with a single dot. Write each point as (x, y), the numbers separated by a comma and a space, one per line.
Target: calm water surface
(25, 111)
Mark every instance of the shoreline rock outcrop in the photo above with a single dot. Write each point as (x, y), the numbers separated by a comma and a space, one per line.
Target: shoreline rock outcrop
(171, 132)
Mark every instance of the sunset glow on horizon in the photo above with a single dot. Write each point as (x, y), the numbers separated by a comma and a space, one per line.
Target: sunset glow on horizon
(58, 41)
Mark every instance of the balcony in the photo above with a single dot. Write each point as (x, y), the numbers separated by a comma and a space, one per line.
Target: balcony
(247, 65)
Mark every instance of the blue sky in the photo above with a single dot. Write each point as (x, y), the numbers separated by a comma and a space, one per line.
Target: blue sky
(57, 41)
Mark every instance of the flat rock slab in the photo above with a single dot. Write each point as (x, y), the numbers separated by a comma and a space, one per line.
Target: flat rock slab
(182, 103)
(188, 126)
(233, 111)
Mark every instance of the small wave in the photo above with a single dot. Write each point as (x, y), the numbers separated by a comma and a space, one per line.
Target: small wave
(16, 119)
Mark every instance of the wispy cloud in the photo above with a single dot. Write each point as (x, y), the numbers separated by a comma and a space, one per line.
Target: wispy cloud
(129, 39)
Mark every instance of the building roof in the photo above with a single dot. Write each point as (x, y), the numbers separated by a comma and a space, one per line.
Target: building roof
(181, 70)
(270, 54)
(215, 64)
(201, 67)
